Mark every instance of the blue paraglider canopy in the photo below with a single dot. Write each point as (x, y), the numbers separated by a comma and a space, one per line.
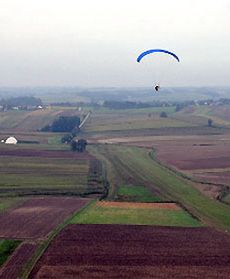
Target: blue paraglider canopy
(143, 54)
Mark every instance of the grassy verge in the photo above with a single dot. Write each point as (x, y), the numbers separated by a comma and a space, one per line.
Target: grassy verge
(7, 247)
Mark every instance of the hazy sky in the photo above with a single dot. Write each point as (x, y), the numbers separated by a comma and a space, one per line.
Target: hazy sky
(95, 43)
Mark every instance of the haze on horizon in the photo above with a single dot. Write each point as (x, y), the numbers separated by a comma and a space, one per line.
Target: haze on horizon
(95, 43)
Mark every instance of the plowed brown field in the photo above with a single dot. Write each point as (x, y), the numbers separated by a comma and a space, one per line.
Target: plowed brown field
(38, 216)
(194, 153)
(127, 251)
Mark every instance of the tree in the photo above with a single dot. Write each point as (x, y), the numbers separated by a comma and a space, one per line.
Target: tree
(210, 122)
(65, 123)
(73, 145)
(68, 124)
(163, 114)
(79, 145)
(67, 138)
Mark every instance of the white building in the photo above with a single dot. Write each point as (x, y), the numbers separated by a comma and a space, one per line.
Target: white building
(11, 140)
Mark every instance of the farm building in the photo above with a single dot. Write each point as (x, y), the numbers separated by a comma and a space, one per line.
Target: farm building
(11, 140)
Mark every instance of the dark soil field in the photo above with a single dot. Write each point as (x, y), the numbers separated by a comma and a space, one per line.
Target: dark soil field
(195, 152)
(36, 217)
(14, 266)
(45, 154)
(128, 251)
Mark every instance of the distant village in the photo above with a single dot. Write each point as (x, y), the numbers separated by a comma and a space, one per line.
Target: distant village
(21, 103)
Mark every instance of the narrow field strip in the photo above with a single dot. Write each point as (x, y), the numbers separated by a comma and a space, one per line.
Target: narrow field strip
(172, 206)
(162, 214)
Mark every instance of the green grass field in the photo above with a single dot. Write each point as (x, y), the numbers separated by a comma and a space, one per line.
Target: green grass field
(135, 193)
(42, 172)
(97, 213)
(118, 123)
(24, 175)
(6, 249)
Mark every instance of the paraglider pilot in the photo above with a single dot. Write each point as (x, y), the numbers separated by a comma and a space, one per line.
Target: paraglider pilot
(157, 87)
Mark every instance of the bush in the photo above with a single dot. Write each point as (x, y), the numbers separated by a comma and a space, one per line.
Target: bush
(163, 114)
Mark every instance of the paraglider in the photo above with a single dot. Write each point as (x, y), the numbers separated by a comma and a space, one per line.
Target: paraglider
(147, 52)
(157, 87)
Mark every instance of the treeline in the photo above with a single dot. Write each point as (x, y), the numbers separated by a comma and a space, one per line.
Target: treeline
(66, 124)
(68, 104)
(133, 105)
(137, 105)
(21, 102)
(177, 104)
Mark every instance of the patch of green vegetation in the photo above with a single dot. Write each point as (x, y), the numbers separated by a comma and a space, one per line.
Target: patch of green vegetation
(7, 247)
(136, 193)
(97, 214)
(55, 140)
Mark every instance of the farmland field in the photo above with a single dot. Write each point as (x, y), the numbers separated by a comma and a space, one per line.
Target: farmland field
(23, 120)
(203, 158)
(28, 171)
(125, 123)
(199, 151)
(36, 217)
(146, 122)
(121, 251)
(136, 164)
(165, 214)
(155, 170)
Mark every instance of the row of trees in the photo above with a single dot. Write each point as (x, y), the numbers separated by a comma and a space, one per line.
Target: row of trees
(64, 124)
